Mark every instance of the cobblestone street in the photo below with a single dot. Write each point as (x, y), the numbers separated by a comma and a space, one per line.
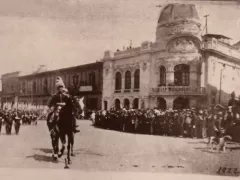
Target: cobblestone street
(105, 150)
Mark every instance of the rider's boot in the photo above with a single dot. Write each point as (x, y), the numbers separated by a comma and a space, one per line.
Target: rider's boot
(75, 126)
(76, 130)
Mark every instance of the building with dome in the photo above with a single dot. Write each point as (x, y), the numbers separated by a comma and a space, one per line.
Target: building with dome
(181, 69)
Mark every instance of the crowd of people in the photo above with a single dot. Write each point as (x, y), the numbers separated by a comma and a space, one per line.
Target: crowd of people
(192, 123)
(15, 117)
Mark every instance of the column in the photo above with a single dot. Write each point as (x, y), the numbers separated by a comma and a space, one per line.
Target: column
(169, 102)
(132, 82)
(193, 74)
(146, 102)
(131, 103)
(169, 74)
(123, 83)
(153, 102)
(121, 103)
(192, 102)
(102, 104)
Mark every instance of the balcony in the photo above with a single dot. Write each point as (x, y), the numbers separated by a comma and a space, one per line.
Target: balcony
(178, 90)
(222, 48)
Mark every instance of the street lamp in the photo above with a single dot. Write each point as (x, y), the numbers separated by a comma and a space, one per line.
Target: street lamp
(220, 88)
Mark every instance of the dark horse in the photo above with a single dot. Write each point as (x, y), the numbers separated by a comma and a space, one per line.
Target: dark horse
(64, 127)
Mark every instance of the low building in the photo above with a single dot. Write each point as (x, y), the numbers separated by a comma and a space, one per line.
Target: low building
(38, 87)
(10, 87)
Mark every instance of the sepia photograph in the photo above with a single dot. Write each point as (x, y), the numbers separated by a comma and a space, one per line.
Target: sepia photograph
(119, 89)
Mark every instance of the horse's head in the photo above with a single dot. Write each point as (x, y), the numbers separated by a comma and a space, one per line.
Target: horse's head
(57, 110)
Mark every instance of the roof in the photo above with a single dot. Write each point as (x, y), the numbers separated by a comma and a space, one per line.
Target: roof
(237, 45)
(178, 12)
(28, 74)
(217, 36)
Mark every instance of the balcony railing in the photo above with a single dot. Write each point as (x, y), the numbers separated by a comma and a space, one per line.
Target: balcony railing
(117, 90)
(178, 90)
(126, 90)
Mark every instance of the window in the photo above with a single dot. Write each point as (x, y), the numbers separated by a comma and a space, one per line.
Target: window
(137, 79)
(90, 78)
(128, 80)
(34, 87)
(118, 81)
(181, 75)
(162, 76)
(93, 78)
(45, 86)
(105, 105)
(75, 80)
(23, 87)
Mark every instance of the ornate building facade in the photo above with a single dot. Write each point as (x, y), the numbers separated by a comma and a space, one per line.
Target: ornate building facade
(172, 72)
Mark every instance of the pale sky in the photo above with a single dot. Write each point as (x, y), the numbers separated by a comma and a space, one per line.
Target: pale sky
(63, 33)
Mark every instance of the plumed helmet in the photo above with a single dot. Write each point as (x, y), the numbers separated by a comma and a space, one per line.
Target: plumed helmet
(59, 82)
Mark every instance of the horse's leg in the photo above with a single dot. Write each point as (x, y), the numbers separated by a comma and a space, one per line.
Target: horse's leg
(54, 145)
(72, 143)
(70, 137)
(63, 141)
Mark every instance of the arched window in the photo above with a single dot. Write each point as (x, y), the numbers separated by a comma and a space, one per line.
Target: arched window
(128, 80)
(135, 103)
(181, 75)
(118, 81)
(137, 79)
(162, 76)
(117, 104)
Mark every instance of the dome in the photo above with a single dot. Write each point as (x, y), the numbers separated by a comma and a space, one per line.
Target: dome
(178, 12)
(177, 20)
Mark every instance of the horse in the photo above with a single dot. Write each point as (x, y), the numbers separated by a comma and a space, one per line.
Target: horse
(66, 126)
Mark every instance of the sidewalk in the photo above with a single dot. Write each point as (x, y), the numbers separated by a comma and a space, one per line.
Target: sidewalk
(67, 174)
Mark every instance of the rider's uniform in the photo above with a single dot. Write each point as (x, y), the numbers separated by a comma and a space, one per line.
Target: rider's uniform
(58, 98)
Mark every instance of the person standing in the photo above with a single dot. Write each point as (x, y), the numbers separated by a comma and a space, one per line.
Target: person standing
(234, 104)
(199, 124)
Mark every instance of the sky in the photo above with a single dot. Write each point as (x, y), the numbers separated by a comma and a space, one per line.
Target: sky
(64, 33)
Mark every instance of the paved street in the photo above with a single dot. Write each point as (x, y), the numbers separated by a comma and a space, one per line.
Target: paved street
(105, 150)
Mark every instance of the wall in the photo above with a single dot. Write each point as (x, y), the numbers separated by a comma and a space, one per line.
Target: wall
(230, 77)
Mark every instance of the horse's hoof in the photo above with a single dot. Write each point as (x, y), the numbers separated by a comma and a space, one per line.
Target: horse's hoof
(60, 155)
(72, 154)
(55, 159)
(66, 167)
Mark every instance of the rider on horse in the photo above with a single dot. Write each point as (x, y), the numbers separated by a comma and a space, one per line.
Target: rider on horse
(58, 100)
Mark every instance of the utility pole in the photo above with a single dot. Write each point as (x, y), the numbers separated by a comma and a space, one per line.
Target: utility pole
(220, 88)
(206, 21)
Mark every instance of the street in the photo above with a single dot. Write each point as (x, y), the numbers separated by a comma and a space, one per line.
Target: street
(105, 150)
